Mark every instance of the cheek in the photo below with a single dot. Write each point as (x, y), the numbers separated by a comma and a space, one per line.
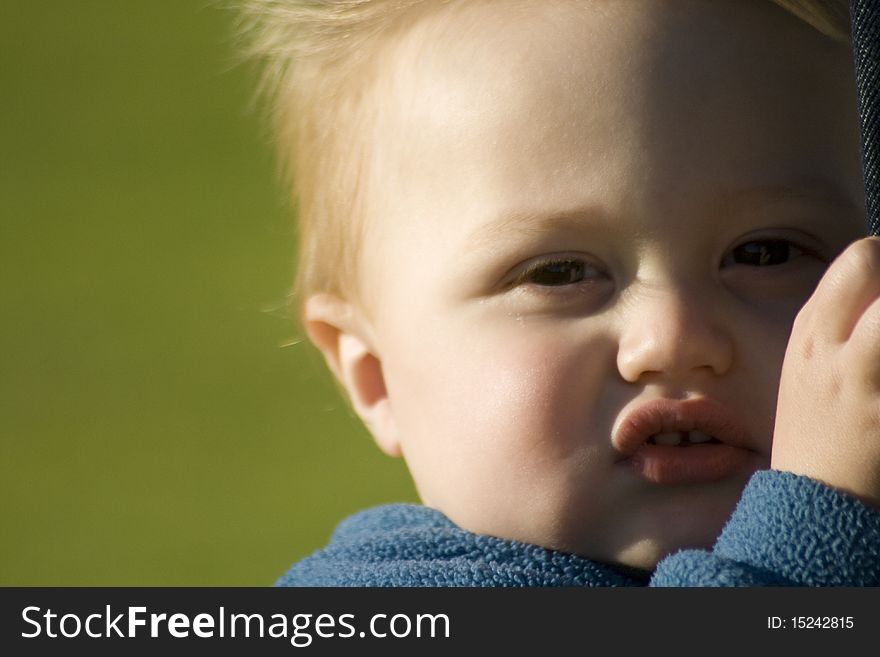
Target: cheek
(498, 428)
(769, 334)
(762, 352)
(520, 398)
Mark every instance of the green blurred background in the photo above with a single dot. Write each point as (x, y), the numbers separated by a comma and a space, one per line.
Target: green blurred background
(154, 430)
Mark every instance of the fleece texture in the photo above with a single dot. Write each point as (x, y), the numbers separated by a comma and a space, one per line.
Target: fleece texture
(786, 531)
(410, 545)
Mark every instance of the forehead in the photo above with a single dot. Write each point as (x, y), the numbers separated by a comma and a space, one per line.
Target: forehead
(490, 108)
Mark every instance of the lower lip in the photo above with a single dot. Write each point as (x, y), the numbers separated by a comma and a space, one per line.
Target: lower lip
(666, 464)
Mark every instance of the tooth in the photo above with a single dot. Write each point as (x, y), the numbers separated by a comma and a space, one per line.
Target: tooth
(668, 438)
(699, 437)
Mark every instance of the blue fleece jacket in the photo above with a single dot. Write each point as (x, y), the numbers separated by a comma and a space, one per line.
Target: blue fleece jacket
(786, 531)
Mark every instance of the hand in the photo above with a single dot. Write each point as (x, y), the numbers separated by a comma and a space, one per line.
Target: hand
(828, 410)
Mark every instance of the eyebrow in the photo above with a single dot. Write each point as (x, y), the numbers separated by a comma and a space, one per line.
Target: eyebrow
(532, 223)
(835, 208)
(809, 189)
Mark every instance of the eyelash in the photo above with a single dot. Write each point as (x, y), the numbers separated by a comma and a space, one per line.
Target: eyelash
(580, 268)
(579, 272)
(790, 246)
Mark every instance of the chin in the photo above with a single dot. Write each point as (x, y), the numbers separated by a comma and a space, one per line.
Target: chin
(698, 531)
(655, 528)
(646, 554)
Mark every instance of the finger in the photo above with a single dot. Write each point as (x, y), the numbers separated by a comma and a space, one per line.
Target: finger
(851, 284)
(865, 340)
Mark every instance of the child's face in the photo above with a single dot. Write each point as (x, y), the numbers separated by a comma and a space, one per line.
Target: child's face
(582, 208)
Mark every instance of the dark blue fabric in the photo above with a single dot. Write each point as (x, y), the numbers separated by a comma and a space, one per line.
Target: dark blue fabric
(865, 16)
(409, 545)
(786, 530)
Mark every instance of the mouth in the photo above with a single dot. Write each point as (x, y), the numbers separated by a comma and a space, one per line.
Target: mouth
(683, 439)
(667, 441)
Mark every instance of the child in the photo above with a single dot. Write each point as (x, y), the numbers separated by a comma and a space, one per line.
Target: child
(555, 251)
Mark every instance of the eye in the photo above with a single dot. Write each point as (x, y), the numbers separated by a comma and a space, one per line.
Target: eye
(553, 273)
(763, 253)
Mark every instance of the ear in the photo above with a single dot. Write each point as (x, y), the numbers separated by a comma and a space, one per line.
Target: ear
(341, 333)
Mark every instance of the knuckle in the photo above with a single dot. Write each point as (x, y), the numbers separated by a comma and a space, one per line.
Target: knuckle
(865, 255)
(802, 320)
(836, 384)
(808, 347)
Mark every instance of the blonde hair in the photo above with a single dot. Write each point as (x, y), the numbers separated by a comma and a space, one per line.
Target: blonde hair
(319, 65)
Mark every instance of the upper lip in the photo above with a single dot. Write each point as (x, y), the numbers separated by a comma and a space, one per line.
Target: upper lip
(669, 415)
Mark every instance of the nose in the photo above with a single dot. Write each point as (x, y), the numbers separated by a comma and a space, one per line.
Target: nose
(673, 334)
